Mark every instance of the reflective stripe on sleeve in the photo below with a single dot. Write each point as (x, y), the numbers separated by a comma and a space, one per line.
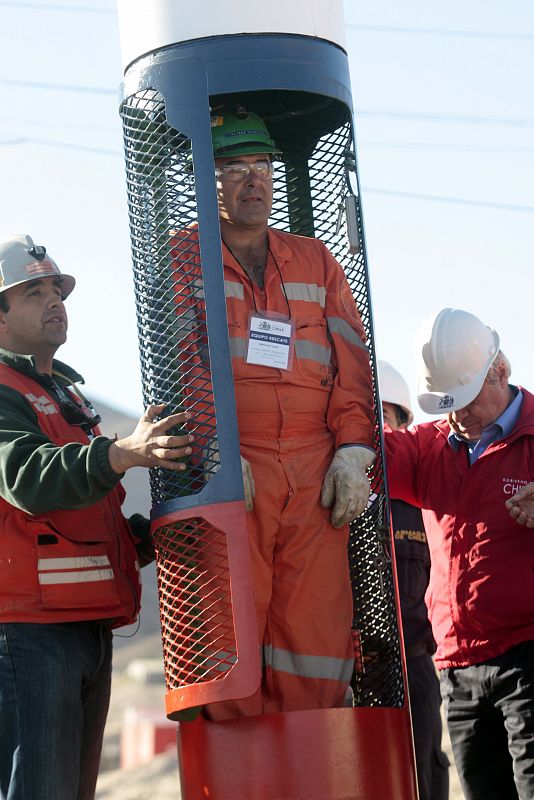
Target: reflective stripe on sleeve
(307, 292)
(325, 667)
(343, 329)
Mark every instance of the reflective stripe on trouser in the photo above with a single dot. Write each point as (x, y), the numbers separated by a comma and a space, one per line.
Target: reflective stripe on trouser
(301, 581)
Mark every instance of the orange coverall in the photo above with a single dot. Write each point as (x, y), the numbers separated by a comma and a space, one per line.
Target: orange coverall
(290, 424)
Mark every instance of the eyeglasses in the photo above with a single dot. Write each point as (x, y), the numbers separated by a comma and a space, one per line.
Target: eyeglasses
(240, 170)
(82, 413)
(84, 416)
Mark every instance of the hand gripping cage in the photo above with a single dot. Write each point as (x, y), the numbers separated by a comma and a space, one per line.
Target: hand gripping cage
(208, 625)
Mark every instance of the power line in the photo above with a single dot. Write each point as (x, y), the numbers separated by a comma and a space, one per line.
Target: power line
(20, 4)
(9, 142)
(417, 146)
(65, 145)
(442, 32)
(465, 119)
(365, 190)
(60, 87)
(470, 148)
(456, 200)
(39, 123)
(378, 145)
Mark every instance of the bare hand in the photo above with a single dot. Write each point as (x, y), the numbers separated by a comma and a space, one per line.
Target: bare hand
(521, 506)
(148, 446)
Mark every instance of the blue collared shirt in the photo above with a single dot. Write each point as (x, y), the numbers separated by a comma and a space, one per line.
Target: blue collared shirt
(502, 426)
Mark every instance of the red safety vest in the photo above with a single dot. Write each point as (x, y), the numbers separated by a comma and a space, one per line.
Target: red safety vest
(65, 566)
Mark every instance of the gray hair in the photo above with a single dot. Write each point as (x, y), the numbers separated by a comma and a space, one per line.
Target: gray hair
(500, 358)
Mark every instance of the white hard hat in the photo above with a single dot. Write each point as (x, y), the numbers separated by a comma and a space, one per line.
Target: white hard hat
(456, 351)
(21, 260)
(393, 388)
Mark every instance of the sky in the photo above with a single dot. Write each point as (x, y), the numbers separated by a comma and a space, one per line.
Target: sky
(444, 112)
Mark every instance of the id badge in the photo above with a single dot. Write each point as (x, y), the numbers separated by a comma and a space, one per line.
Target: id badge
(271, 340)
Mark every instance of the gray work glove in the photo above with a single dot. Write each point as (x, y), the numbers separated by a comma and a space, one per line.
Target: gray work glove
(212, 454)
(346, 484)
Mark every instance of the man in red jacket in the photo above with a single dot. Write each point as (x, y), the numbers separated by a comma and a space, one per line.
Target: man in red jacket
(463, 471)
(69, 569)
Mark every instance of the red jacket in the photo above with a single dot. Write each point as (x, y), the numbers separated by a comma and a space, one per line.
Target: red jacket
(65, 566)
(481, 591)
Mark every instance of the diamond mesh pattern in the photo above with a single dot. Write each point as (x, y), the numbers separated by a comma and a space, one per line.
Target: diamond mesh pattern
(172, 336)
(196, 612)
(380, 681)
(309, 190)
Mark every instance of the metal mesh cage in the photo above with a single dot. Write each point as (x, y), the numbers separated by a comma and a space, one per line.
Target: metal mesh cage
(199, 642)
(196, 611)
(378, 680)
(309, 192)
(172, 333)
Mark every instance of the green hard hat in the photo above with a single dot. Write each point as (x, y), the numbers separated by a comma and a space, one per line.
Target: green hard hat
(236, 131)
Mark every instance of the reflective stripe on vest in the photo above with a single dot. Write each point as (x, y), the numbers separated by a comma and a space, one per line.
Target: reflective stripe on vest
(196, 287)
(186, 323)
(238, 347)
(304, 292)
(324, 667)
(343, 329)
(234, 289)
(77, 562)
(315, 352)
(79, 569)
(49, 578)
